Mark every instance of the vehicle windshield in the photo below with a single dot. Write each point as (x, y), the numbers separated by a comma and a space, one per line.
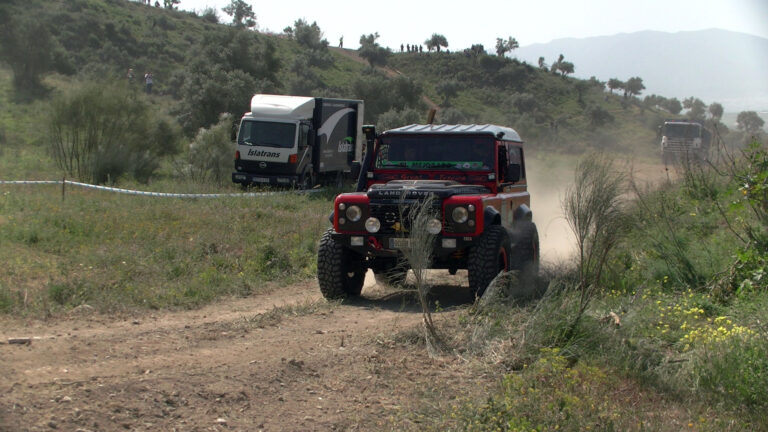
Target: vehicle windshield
(682, 130)
(267, 134)
(436, 152)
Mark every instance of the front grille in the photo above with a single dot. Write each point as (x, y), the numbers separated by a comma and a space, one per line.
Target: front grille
(679, 146)
(393, 214)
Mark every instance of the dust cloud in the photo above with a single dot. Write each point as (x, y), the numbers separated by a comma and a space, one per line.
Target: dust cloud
(548, 180)
(550, 176)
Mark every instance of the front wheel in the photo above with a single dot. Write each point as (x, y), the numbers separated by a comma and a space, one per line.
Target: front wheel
(340, 272)
(487, 258)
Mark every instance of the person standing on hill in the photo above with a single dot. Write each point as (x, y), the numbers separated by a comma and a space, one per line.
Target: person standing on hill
(148, 81)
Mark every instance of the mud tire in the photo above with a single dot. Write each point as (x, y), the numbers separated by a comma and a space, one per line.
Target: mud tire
(487, 258)
(340, 271)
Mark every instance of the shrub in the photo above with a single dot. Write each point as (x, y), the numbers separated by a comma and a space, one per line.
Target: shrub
(210, 156)
(102, 131)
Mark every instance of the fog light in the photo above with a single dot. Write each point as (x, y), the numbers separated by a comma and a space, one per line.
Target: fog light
(342, 221)
(356, 241)
(372, 225)
(471, 223)
(449, 243)
(434, 226)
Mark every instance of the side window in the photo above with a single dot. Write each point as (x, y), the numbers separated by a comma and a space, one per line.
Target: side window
(516, 157)
(503, 162)
(303, 135)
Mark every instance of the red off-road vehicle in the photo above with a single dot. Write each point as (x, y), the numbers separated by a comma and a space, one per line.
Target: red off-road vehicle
(475, 176)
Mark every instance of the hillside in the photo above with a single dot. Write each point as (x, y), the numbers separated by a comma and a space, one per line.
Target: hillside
(150, 312)
(202, 68)
(714, 65)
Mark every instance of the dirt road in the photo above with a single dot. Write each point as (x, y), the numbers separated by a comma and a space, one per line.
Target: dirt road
(286, 360)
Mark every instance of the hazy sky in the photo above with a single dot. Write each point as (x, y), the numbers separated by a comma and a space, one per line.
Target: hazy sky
(482, 21)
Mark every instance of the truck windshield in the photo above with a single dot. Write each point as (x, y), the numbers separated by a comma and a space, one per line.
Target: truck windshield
(267, 134)
(436, 152)
(682, 130)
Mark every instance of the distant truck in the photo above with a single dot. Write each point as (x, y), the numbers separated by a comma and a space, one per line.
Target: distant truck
(299, 141)
(684, 140)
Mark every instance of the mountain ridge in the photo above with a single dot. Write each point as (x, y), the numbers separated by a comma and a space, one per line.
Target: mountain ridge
(714, 65)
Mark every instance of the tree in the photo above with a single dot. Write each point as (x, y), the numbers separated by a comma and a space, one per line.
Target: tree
(370, 50)
(556, 65)
(101, 131)
(565, 67)
(475, 50)
(310, 37)
(436, 41)
(696, 108)
(542, 64)
(599, 116)
(749, 122)
(169, 4)
(615, 84)
(716, 110)
(448, 89)
(673, 106)
(241, 12)
(634, 86)
(504, 46)
(27, 47)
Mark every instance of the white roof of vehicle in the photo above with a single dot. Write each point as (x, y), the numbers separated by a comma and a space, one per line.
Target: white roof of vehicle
(500, 132)
(280, 106)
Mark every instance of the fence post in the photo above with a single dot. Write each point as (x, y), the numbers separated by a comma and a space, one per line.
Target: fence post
(63, 187)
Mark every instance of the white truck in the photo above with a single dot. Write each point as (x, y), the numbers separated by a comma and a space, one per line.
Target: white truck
(299, 141)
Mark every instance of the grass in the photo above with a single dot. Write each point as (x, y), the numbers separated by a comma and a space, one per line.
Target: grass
(118, 252)
(663, 346)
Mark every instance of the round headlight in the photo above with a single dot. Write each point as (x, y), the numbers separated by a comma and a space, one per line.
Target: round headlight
(372, 225)
(354, 213)
(460, 215)
(434, 226)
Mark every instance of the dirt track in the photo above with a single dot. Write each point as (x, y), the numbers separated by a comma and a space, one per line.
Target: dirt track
(281, 361)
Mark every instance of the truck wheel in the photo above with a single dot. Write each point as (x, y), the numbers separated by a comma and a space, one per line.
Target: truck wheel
(525, 253)
(487, 258)
(340, 272)
(306, 182)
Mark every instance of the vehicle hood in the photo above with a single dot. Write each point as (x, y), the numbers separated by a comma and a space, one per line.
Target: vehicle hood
(416, 189)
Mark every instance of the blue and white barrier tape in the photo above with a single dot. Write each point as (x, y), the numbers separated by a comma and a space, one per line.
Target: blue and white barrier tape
(157, 194)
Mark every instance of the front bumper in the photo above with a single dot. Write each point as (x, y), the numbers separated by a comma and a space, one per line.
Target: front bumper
(390, 246)
(263, 179)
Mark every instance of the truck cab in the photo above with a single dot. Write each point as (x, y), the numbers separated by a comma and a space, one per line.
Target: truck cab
(683, 139)
(475, 176)
(297, 141)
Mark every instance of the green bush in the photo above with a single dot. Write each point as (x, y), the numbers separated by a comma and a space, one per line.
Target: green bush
(210, 156)
(102, 131)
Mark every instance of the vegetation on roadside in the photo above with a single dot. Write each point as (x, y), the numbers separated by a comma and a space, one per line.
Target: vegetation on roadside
(675, 325)
(120, 252)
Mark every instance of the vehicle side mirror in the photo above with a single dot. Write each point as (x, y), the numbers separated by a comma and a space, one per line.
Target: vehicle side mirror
(311, 138)
(513, 173)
